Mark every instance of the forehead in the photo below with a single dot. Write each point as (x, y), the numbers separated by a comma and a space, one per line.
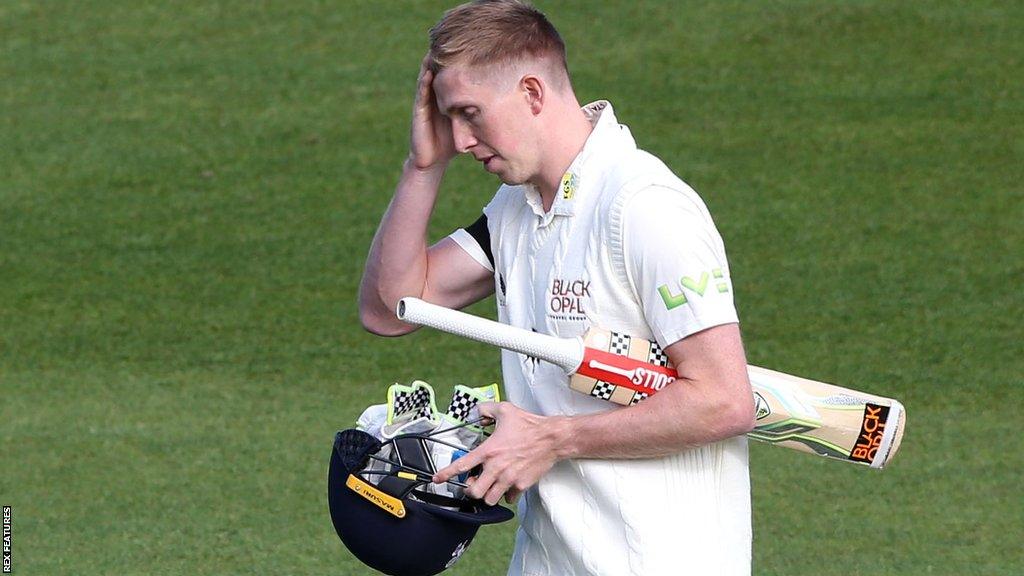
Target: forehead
(460, 86)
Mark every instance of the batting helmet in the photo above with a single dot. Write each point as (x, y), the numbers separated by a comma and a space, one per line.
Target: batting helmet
(386, 514)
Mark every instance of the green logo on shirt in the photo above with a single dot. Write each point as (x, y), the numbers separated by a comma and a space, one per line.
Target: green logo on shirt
(697, 287)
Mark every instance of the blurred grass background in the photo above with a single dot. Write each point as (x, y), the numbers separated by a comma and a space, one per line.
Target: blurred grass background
(188, 191)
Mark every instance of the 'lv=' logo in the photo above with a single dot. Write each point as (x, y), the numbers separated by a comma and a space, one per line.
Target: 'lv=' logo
(697, 287)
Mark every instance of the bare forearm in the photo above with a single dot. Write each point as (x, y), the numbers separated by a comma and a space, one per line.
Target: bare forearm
(681, 416)
(397, 262)
(525, 446)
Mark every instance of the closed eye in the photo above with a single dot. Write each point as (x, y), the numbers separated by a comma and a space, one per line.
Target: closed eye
(467, 113)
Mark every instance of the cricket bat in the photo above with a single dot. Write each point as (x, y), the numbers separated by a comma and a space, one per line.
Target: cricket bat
(793, 412)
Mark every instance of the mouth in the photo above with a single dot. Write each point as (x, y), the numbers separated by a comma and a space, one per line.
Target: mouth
(488, 162)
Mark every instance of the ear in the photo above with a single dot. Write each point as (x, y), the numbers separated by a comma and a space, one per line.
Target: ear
(534, 90)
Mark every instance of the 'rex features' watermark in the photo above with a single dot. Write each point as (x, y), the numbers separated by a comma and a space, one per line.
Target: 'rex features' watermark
(7, 539)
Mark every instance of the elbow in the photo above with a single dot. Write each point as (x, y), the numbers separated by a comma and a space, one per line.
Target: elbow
(379, 320)
(371, 322)
(745, 422)
(738, 417)
(745, 416)
(740, 409)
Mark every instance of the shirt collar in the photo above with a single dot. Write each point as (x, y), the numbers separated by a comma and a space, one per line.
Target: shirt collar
(607, 135)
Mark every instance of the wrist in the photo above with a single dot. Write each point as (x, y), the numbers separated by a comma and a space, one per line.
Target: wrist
(562, 429)
(433, 172)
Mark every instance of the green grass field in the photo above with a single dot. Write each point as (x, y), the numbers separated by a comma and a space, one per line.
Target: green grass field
(188, 191)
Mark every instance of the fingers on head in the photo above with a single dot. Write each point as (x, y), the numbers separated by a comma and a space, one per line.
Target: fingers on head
(425, 68)
(425, 83)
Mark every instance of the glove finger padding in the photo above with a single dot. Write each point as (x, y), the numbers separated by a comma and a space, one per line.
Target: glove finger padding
(459, 437)
(412, 411)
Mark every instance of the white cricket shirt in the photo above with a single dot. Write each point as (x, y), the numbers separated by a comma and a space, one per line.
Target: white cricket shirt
(629, 247)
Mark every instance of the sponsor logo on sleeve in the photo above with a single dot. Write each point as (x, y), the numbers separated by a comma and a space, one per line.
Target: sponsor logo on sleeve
(675, 296)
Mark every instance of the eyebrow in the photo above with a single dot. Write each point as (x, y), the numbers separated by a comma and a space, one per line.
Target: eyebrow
(458, 106)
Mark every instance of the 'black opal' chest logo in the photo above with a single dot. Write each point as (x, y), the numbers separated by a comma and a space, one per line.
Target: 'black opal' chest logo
(568, 299)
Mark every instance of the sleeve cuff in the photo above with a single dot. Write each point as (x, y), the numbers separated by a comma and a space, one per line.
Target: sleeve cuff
(471, 247)
(667, 338)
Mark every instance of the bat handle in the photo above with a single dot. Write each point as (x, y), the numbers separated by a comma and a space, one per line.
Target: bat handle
(566, 353)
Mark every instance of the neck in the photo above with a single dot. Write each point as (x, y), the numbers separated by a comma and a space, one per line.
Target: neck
(570, 129)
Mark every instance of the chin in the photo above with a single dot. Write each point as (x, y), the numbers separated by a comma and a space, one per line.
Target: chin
(511, 180)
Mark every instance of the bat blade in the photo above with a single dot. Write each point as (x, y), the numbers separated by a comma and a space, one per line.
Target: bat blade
(792, 412)
(825, 419)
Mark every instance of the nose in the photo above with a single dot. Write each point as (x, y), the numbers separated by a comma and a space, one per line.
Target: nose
(463, 136)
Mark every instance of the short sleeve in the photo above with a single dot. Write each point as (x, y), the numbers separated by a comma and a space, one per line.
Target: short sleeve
(475, 240)
(676, 263)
